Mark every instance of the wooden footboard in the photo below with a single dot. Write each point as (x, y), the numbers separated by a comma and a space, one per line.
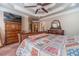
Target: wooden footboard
(22, 36)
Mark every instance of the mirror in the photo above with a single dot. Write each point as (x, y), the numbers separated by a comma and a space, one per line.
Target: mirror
(55, 24)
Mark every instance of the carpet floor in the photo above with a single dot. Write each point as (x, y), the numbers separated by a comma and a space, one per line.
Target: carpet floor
(9, 50)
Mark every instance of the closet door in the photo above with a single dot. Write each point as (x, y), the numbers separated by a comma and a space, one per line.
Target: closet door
(11, 31)
(35, 26)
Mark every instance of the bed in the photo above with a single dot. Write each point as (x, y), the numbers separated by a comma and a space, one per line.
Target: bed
(49, 45)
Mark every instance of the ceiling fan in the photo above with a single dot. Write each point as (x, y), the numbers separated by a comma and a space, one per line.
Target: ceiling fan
(39, 6)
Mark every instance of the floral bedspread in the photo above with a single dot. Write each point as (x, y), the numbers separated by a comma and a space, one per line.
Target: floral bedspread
(49, 45)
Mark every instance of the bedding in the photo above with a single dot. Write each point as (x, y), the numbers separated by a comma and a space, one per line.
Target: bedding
(35, 37)
(72, 49)
(47, 45)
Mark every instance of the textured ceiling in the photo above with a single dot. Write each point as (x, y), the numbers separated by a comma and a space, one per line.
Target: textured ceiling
(53, 8)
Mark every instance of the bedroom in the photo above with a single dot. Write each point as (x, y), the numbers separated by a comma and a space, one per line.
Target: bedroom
(30, 19)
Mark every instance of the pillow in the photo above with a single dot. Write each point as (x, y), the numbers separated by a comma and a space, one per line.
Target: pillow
(76, 38)
(38, 36)
(69, 40)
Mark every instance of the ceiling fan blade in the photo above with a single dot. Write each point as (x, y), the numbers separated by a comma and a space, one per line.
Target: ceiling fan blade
(29, 6)
(45, 4)
(36, 11)
(39, 4)
(44, 10)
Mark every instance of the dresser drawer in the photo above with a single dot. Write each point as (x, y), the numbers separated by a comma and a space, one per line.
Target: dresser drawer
(8, 35)
(11, 40)
(59, 32)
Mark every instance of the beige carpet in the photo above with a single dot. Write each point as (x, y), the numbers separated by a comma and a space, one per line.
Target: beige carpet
(9, 50)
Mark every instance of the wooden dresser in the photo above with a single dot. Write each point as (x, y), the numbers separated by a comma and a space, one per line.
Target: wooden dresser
(56, 31)
(11, 31)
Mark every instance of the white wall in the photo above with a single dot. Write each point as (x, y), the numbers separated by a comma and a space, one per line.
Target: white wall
(69, 23)
(2, 26)
(25, 24)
